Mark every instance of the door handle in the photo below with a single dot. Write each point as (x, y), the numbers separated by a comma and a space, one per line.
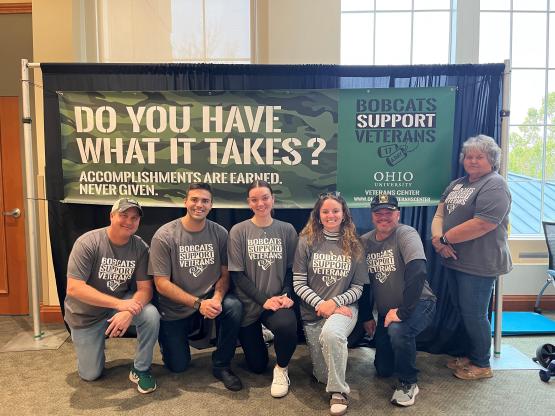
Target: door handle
(16, 213)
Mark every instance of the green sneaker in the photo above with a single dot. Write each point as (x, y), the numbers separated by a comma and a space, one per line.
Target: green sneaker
(143, 379)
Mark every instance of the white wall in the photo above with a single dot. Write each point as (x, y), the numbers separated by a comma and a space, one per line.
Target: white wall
(526, 280)
(303, 32)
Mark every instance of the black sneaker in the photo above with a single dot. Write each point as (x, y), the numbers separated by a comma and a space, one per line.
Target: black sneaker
(226, 376)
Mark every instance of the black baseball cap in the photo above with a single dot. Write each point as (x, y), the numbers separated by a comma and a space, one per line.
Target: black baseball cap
(384, 201)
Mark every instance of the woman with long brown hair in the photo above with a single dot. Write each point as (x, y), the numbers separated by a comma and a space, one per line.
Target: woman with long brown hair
(328, 275)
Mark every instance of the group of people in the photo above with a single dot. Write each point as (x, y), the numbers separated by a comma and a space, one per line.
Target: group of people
(253, 276)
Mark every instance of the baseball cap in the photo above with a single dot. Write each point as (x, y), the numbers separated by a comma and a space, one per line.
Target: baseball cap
(384, 201)
(123, 204)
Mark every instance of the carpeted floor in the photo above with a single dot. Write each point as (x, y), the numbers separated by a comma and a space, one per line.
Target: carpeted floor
(46, 383)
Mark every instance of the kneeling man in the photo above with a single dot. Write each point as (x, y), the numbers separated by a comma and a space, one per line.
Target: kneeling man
(108, 289)
(188, 259)
(404, 300)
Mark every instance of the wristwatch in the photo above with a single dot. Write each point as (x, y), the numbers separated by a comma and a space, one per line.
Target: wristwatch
(196, 305)
(443, 240)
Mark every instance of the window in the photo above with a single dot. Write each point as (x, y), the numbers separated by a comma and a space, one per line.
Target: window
(382, 32)
(418, 32)
(174, 31)
(524, 32)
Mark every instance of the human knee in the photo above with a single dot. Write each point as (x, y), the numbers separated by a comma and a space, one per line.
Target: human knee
(258, 366)
(91, 373)
(285, 330)
(397, 333)
(331, 337)
(232, 308)
(150, 316)
(177, 366)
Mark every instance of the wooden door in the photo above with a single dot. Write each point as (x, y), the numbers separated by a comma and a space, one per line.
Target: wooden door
(14, 298)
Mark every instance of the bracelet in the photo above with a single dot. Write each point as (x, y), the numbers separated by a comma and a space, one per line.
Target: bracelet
(444, 240)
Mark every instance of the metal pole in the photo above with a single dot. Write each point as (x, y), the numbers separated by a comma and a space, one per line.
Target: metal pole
(503, 171)
(505, 113)
(498, 316)
(30, 198)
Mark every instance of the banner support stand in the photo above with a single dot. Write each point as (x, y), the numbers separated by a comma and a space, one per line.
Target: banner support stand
(505, 112)
(30, 198)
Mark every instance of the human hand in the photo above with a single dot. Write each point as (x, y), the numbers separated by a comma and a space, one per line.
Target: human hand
(447, 251)
(272, 304)
(133, 306)
(210, 308)
(286, 301)
(370, 327)
(437, 244)
(119, 323)
(391, 317)
(344, 310)
(326, 308)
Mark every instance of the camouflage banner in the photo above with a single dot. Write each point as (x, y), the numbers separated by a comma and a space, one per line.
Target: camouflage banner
(152, 145)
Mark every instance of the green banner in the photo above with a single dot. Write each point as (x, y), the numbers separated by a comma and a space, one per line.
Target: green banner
(152, 145)
(395, 141)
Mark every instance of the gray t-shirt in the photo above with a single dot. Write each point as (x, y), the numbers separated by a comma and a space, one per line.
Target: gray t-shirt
(109, 268)
(263, 254)
(329, 272)
(190, 260)
(386, 262)
(489, 199)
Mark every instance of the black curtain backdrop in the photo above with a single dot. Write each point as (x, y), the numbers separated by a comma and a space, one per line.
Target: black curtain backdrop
(477, 109)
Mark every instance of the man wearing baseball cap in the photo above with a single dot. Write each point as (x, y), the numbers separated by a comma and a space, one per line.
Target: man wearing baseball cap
(108, 289)
(405, 303)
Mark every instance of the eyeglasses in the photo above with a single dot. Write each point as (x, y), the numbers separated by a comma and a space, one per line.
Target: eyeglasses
(331, 194)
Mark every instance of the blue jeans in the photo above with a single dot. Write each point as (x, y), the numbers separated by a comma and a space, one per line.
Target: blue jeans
(89, 343)
(471, 295)
(174, 337)
(396, 344)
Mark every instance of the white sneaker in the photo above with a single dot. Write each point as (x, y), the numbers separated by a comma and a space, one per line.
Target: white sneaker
(404, 394)
(280, 383)
(267, 335)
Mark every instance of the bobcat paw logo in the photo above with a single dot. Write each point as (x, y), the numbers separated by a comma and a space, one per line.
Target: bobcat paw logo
(382, 276)
(329, 280)
(265, 264)
(113, 285)
(196, 270)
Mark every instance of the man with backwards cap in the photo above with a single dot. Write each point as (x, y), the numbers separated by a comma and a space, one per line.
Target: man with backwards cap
(108, 289)
(405, 303)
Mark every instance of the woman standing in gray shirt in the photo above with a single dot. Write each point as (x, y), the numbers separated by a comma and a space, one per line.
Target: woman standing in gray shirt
(260, 257)
(469, 232)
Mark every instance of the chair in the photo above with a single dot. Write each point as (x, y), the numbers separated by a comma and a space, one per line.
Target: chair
(549, 231)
